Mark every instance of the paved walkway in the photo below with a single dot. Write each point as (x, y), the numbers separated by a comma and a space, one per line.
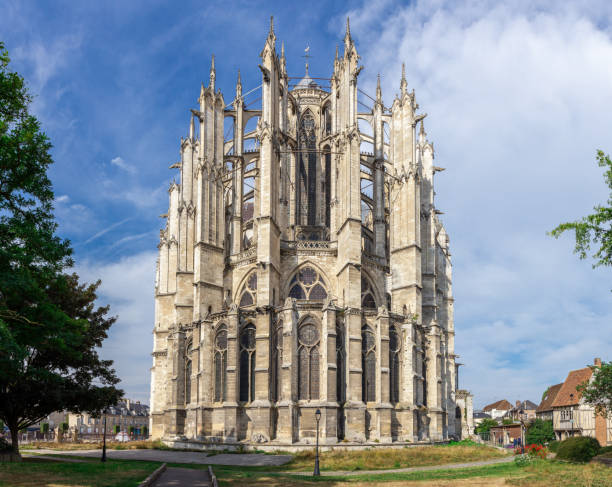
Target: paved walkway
(169, 456)
(183, 477)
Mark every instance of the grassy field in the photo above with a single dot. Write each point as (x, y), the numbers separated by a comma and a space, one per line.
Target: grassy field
(389, 458)
(543, 473)
(33, 472)
(113, 445)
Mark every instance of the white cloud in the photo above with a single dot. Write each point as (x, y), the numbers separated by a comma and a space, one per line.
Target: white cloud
(104, 231)
(519, 98)
(120, 163)
(128, 286)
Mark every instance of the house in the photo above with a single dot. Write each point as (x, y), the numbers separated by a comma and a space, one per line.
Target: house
(544, 411)
(498, 409)
(479, 416)
(572, 416)
(523, 411)
(127, 416)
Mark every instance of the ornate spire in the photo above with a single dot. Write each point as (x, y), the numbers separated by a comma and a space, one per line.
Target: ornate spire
(239, 86)
(422, 133)
(347, 34)
(403, 83)
(191, 128)
(378, 90)
(213, 75)
(271, 36)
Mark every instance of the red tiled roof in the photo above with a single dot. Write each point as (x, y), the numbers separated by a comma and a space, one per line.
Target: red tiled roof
(568, 395)
(499, 405)
(551, 393)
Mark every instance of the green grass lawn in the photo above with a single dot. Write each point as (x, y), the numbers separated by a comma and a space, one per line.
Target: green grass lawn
(35, 472)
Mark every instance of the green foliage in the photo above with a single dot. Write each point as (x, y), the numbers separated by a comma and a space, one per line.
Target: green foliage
(116, 429)
(50, 329)
(605, 449)
(544, 393)
(63, 427)
(131, 430)
(44, 428)
(145, 431)
(507, 421)
(578, 449)
(553, 445)
(539, 432)
(595, 228)
(598, 392)
(485, 425)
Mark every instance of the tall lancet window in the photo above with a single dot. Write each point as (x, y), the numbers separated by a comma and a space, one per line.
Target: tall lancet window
(221, 364)
(308, 361)
(188, 369)
(368, 364)
(395, 345)
(247, 363)
(307, 171)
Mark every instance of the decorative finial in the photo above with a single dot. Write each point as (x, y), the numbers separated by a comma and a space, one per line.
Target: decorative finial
(283, 49)
(348, 28)
(403, 83)
(202, 90)
(212, 73)
(238, 86)
(191, 128)
(378, 90)
(336, 59)
(271, 33)
(422, 133)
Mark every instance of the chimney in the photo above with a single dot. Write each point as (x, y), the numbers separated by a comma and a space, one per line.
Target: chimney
(597, 362)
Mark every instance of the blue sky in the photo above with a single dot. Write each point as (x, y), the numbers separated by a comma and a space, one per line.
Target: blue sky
(518, 96)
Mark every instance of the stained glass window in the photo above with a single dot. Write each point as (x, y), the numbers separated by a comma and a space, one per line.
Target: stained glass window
(220, 361)
(394, 363)
(367, 294)
(308, 361)
(307, 284)
(368, 364)
(247, 363)
(248, 296)
(188, 370)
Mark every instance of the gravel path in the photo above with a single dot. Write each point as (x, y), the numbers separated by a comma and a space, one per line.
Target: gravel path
(168, 456)
(183, 477)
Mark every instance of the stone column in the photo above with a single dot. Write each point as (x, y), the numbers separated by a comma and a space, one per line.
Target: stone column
(383, 406)
(327, 388)
(286, 404)
(231, 404)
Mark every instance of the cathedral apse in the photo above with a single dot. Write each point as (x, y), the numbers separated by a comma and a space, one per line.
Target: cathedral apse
(303, 266)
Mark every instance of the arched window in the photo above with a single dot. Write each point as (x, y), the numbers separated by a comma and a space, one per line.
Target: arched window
(367, 294)
(188, 370)
(307, 170)
(308, 361)
(247, 363)
(248, 296)
(220, 360)
(395, 346)
(277, 361)
(368, 364)
(340, 362)
(307, 284)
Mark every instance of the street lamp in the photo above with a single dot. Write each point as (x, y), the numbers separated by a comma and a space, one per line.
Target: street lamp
(316, 469)
(104, 439)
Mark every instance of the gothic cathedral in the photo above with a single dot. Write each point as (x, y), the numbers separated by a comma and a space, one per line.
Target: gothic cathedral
(303, 268)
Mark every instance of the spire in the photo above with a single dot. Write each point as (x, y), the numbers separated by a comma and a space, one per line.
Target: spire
(336, 58)
(191, 128)
(202, 91)
(282, 59)
(212, 74)
(239, 86)
(403, 83)
(347, 34)
(271, 36)
(378, 90)
(422, 133)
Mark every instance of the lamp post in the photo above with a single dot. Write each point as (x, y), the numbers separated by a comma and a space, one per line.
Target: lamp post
(104, 439)
(316, 468)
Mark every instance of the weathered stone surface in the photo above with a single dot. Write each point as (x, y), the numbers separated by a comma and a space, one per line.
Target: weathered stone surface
(303, 271)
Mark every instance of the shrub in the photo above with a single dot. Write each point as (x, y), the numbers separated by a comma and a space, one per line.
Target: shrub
(553, 446)
(539, 432)
(578, 449)
(605, 449)
(5, 446)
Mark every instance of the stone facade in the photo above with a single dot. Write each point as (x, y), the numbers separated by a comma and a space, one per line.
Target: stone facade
(298, 271)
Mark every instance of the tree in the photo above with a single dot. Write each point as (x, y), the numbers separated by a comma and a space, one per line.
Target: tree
(598, 391)
(507, 421)
(50, 328)
(539, 432)
(595, 228)
(485, 425)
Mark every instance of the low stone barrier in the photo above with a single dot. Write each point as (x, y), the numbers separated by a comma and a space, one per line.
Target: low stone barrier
(213, 477)
(153, 477)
